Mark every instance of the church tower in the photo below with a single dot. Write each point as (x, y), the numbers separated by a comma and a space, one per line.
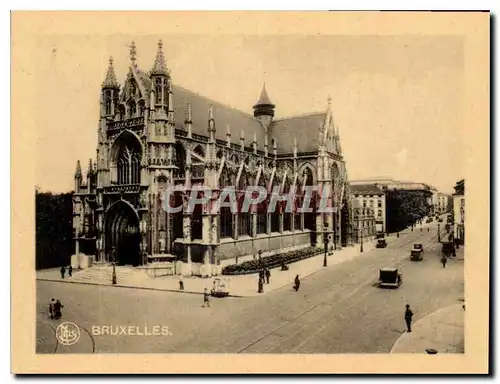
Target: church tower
(263, 111)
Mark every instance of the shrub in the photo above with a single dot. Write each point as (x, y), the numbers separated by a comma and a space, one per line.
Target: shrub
(273, 261)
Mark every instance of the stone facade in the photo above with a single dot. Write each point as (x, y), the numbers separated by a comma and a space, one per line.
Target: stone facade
(153, 135)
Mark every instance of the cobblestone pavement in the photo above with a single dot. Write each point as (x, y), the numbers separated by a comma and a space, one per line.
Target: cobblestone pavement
(336, 310)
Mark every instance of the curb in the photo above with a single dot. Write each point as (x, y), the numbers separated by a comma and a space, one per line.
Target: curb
(129, 286)
(405, 334)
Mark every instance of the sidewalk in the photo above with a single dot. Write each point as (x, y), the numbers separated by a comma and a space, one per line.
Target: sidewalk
(442, 330)
(240, 286)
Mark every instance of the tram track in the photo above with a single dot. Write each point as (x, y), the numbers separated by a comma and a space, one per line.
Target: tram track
(327, 301)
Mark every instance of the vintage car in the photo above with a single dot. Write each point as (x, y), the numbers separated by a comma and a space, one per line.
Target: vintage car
(220, 287)
(380, 235)
(429, 220)
(390, 277)
(440, 220)
(381, 243)
(417, 253)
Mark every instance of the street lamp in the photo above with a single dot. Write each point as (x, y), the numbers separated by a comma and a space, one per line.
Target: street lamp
(143, 228)
(439, 234)
(325, 239)
(361, 247)
(113, 276)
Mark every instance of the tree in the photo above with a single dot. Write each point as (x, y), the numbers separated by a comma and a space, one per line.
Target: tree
(54, 229)
(405, 207)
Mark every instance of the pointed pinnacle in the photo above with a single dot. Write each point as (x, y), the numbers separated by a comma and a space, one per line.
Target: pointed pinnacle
(188, 114)
(159, 67)
(110, 79)
(133, 52)
(78, 172)
(211, 112)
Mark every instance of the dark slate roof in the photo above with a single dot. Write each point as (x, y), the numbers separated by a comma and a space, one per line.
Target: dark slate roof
(365, 189)
(304, 128)
(223, 115)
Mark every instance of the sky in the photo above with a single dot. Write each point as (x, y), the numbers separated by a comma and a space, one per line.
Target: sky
(397, 100)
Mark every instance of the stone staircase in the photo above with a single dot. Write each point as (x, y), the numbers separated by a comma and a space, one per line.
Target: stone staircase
(103, 275)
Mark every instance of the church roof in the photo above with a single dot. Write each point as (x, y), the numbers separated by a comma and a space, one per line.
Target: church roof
(223, 116)
(304, 128)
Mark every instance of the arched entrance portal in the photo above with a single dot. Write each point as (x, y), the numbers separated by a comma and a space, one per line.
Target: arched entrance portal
(122, 234)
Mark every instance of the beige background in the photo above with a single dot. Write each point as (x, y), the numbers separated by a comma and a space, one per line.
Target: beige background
(26, 30)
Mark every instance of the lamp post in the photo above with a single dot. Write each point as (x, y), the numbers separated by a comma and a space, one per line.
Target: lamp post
(325, 239)
(439, 234)
(260, 255)
(113, 276)
(143, 228)
(361, 246)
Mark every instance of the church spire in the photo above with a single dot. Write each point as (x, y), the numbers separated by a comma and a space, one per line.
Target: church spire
(264, 107)
(110, 80)
(159, 67)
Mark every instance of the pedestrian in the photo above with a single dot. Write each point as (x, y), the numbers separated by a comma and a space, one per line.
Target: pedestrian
(63, 271)
(443, 261)
(70, 271)
(408, 317)
(297, 283)
(57, 309)
(261, 285)
(206, 298)
(181, 283)
(268, 275)
(51, 308)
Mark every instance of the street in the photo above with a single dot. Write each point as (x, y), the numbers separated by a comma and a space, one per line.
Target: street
(337, 309)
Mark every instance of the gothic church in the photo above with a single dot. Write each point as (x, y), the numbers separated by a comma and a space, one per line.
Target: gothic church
(154, 134)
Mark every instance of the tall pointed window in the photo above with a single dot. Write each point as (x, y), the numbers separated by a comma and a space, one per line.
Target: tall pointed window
(226, 216)
(244, 217)
(158, 90)
(262, 209)
(141, 108)
(132, 109)
(129, 166)
(108, 103)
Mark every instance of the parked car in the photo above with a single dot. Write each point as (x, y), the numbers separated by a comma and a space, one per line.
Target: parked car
(429, 220)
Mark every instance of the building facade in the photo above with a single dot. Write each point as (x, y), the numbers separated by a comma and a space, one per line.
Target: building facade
(364, 222)
(459, 212)
(372, 197)
(154, 135)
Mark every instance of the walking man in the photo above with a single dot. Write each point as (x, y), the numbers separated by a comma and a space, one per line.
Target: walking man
(63, 271)
(57, 309)
(51, 308)
(443, 261)
(408, 317)
(268, 275)
(206, 298)
(70, 271)
(181, 283)
(297, 283)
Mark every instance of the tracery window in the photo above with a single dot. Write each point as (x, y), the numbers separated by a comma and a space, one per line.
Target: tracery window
(129, 166)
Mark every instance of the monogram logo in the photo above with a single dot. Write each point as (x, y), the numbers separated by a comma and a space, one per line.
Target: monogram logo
(68, 333)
